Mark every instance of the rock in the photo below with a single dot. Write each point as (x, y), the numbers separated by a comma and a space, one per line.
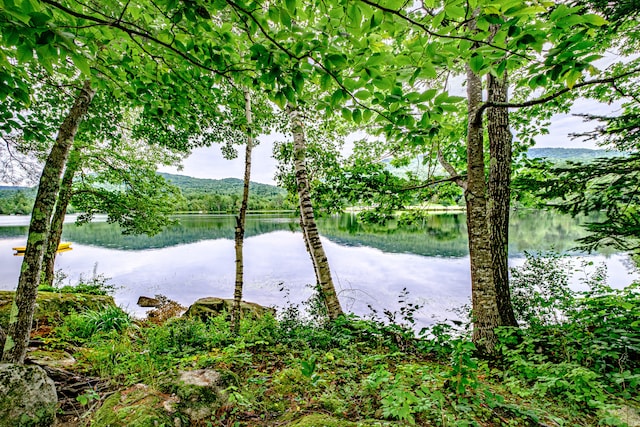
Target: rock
(52, 358)
(53, 306)
(27, 396)
(205, 308)
(148, 302)
(140, 406)
(628, 415)
(199, 393)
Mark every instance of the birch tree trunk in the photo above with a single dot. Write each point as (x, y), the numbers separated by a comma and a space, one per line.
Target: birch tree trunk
(485, 315)
(307, 245)
(241, 218)
(309, 228)
(62, 203)
(500, 196)
(23, 306)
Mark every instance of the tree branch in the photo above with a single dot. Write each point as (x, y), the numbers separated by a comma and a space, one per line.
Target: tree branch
(435, 34)
(455, 176)
(134, 32)
(430, 183)
(551, 96)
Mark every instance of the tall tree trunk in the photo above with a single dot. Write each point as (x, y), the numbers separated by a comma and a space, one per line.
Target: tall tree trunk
(307, 245)
(240, 219)
(55, 232)
(21, 317)
(485, 315)
(321, 264)
(500, 195)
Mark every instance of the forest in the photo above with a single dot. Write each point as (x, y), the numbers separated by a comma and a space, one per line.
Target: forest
(97, 95)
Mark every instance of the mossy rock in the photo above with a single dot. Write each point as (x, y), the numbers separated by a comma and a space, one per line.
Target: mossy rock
(137, 406)
(53, 306)
(323, 420)
(27, 396)
(59, 359)
(199, 393)
(209, 307)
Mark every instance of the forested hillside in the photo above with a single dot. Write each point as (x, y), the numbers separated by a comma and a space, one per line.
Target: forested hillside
(16, 200)
(201, 195)
(223, 195)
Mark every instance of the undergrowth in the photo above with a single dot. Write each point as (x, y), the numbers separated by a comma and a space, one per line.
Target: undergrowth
(573, 361)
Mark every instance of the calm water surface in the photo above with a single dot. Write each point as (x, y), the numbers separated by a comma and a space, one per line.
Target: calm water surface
(371, 264)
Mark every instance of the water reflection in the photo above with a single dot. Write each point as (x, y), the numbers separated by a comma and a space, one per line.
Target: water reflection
(371, 264)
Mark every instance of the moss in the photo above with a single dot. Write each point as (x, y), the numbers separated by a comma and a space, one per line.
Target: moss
(52, 306)
(322, 420)
(139, 406)
(27, 397)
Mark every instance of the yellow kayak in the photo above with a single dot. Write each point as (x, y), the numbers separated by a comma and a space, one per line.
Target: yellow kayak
(64, 246)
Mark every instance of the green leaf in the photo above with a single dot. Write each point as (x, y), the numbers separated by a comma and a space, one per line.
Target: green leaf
(572, 77)
(454, 12)
(82, 64)
(476, 62)
(336, 97)
(298, 82)
(357, 116)
(291, 6)
(363, 94)
(596, 20)
(355, 14)
(337, 60)
(285, 18)
(428, 71)
(24, 53)
(383, 83)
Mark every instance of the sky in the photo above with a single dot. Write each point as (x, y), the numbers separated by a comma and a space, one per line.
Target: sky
(208, 162)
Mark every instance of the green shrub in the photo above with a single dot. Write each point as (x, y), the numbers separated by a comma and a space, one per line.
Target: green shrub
(576, 346)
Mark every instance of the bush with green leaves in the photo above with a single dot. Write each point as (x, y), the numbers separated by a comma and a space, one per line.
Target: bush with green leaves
(581, 347)
(97, 284)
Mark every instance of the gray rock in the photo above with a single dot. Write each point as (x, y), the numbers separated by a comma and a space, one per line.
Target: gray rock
(27, 396)
(148, 302)
(205, 308)
(199, 393)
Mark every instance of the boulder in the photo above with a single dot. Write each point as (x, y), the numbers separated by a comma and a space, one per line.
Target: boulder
(194, 396)
(139, 405)
(148, 302)
(53, 306)
(27, 396)
(51, 358)
(199, 394)
(205, 308)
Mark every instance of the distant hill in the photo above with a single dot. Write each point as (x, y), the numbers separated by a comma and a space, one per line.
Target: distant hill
(13, 188)
(570, 154)
(225, 186)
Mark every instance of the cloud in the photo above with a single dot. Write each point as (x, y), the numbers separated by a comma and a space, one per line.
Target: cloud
(208, 162)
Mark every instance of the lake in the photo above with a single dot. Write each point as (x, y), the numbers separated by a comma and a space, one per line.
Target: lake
(371, 265)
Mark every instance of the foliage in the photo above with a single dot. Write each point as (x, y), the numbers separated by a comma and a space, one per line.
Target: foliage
(606, 184)
(16, 201)
(583, 346)
(198, 195)
(540, 290)
(97, 284)
(86, 325)
(370, 371)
